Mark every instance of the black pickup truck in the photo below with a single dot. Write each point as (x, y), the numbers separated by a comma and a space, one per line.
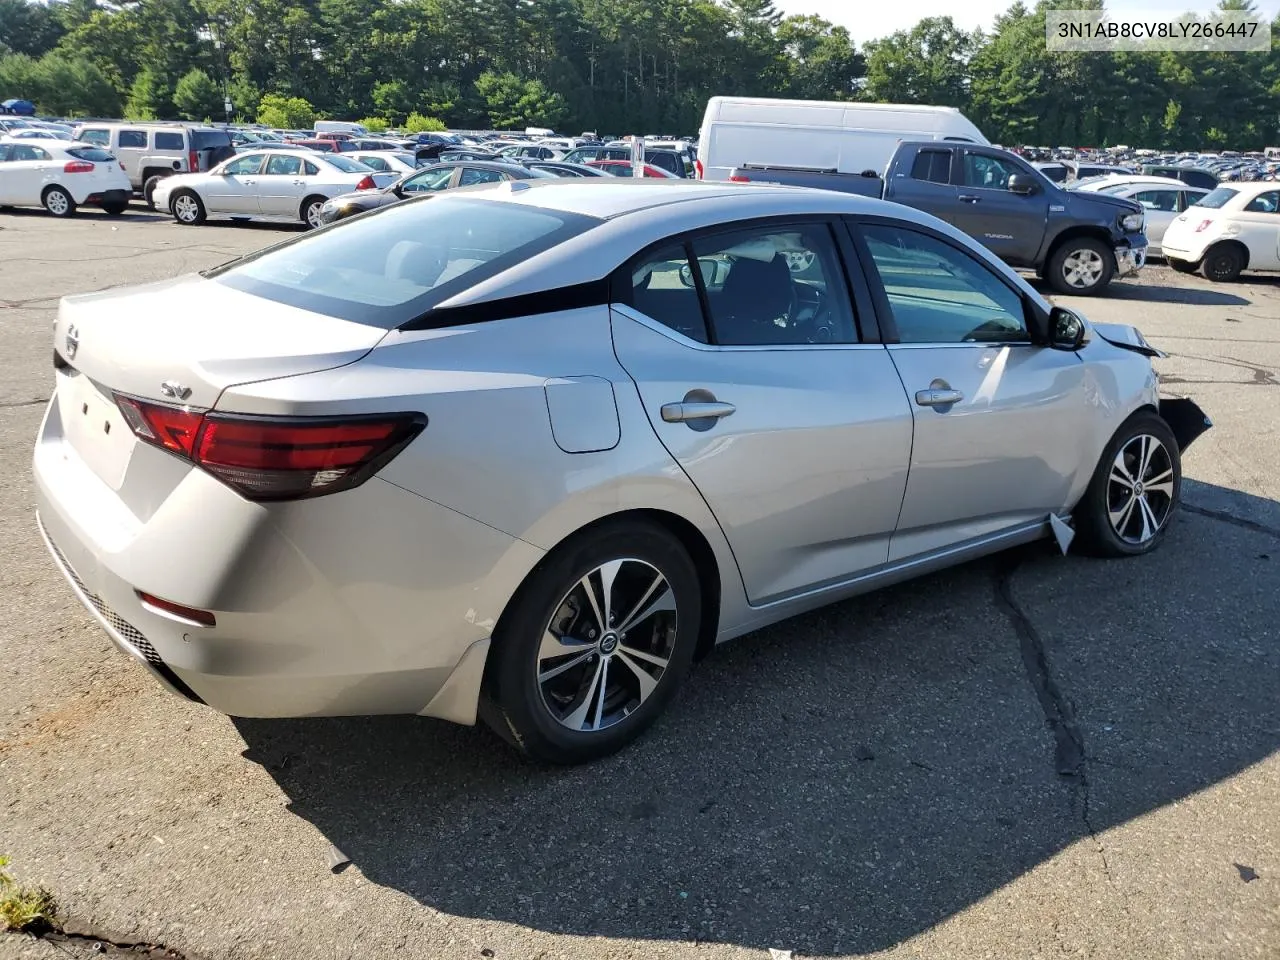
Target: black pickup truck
(1076, 241)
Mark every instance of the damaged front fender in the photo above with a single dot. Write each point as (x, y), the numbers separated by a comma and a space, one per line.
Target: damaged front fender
(1185, 419)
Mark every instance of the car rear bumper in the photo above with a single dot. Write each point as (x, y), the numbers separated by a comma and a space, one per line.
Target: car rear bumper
(109, 198)
(377, 602)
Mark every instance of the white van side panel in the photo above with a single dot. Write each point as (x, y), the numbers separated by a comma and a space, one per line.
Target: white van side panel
(849, 137)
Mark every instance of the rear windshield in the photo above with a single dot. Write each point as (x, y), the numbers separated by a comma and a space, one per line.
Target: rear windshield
(394, 265)
(203, 139)
(92, 154)
(346, 164)
(1217, 198)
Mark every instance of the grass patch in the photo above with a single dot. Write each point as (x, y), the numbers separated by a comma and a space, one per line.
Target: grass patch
(24, 909)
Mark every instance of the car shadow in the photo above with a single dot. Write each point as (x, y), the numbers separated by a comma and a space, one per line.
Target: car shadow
(1155, 293)
(846, 780)
(134, 213)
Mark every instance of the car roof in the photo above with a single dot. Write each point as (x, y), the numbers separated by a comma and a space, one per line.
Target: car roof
(1251, 187)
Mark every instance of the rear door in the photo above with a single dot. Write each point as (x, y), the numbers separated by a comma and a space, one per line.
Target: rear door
(927, 185)
(751, 367)
(28, 170)
(8, 177)
(1001, 424)
(236, 188)
(1260, 223)
(1011, 225)
(282, 186)
(1161, 205)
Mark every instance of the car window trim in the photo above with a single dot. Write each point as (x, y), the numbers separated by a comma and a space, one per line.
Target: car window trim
(620, 284)
(884, 309)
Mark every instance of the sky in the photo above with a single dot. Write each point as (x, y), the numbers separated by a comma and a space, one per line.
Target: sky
(871, 19)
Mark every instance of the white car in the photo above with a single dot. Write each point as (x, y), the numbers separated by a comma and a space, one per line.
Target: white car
(61, 176)
(1233, 228)
(383, 162)
(1162, 197)
(40, 133)
(289, 184)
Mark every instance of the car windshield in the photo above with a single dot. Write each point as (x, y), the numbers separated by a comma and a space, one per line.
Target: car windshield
(1217, 198)
(397, 264)
(346, 164)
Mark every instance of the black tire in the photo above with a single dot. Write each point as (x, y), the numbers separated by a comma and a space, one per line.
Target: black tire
(305, 211)
(1080, 251)
(58, 202)
(184, 212)
(1105, 498)
(149, 190)
(114, 209)
(538, 714)
(1181, 266)
(1222, 263)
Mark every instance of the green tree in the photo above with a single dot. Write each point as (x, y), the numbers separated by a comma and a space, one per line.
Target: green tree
(417, 123)
(375, 124)
(927, 64)
(148, 98)
(197, 97)
(514, 103)
(286, 113)
(30, 28)
(825, 64)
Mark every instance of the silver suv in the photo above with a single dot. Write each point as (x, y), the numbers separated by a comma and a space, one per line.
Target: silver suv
(149, 152)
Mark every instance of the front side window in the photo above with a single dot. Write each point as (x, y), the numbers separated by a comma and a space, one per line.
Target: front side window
(987, 173)
(939, 294)
(473, 175)
(248, 164)
(284, 166)
(436, 178)
(1268, 202)
(133, 138)
(100, 137)
(933, 166)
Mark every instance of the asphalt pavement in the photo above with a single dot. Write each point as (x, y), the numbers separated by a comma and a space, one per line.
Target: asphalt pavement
(1029, 756)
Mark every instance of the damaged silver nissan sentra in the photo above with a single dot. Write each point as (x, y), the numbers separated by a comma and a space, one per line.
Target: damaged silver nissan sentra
(526, 454)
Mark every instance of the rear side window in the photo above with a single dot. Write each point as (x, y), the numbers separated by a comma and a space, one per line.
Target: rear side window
(1264, 203)
(133, 138)
(166, 140)
(101, 137)
(91, 154)
(204, 139)
(345, 164)
(396, 265)
(933, 166)
(662, 287)
(310, 169)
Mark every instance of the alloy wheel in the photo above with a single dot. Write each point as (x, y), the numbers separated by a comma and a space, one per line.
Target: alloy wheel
(1082, 268)
(607, 645)
(186, 209)
(313, 214)
(1140, 489)
(57, 203)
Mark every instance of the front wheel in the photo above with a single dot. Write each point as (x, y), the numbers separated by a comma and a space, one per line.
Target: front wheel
(187, 208)
(149, 190)
(58, 202)
(595, 644)
(1082, 267)
(1135, 489)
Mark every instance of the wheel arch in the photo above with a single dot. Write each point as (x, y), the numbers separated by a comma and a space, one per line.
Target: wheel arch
(1076, 232)
(1243, 248)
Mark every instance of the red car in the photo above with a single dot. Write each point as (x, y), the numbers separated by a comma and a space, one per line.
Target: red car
(622, 168)
(328, 146)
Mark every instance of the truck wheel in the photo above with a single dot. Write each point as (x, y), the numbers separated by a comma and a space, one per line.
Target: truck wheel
(1222, 263)
(149, 189)
(1083, 267)
(1181, 266)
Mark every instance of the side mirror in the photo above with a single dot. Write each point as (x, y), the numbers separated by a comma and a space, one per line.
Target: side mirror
(1023, 185)
(1066, 330)
(710, 268)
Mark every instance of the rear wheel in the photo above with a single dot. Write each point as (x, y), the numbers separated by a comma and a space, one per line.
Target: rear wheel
(1135, 489)
(58, 202)
(1083, 266)
(149, 191)
(114, 209)
(1222, 263)
(309, 212)
(595, 644)
(187, 208)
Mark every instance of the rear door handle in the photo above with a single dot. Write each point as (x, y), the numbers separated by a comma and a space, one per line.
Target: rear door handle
(969, 198)
(938, 398)
(696, 410)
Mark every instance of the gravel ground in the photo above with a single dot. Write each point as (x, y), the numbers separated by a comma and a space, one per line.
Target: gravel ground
(879, 777)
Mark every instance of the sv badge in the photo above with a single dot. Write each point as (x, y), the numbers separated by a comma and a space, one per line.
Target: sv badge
(174, 390)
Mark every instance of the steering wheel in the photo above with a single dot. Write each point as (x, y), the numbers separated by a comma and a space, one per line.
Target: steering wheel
(798, 261)
(811, 312)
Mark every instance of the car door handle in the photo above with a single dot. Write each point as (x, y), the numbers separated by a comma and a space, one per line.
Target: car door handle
(299, 183)
(938, 398)
(696, 410)
(969, 198)
(248, 183)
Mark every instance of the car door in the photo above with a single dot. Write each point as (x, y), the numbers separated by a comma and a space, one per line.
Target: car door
(130, 147)
(429, 181)
(8, 181)
(470, 176)
(1010, 224)
(1161, 206)
(1260, 230)
(234, 187)
(927, 186)
(282, 186)
(1000, 424)
(794, 428)
(28, 169)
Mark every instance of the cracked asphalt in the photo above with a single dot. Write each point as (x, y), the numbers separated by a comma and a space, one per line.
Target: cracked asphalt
(1030, 756)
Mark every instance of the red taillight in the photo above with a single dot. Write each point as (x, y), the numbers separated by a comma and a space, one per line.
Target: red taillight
(366, 184)
(193, 161)
(275, 458)
(78, 166)
(738, 178)
(1204, 225)
(202, 617)
(697, 166)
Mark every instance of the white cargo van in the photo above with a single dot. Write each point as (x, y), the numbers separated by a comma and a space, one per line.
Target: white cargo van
(340, 126)
(818, 135)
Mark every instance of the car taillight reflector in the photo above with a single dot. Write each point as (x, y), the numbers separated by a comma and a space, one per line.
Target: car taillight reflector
(275, 458)
(366, 184)
(1204, 225)
(78, 166)
(738, 178)
(202, 617)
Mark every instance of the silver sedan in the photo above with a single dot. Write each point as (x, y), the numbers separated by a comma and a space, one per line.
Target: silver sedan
(528, 453)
